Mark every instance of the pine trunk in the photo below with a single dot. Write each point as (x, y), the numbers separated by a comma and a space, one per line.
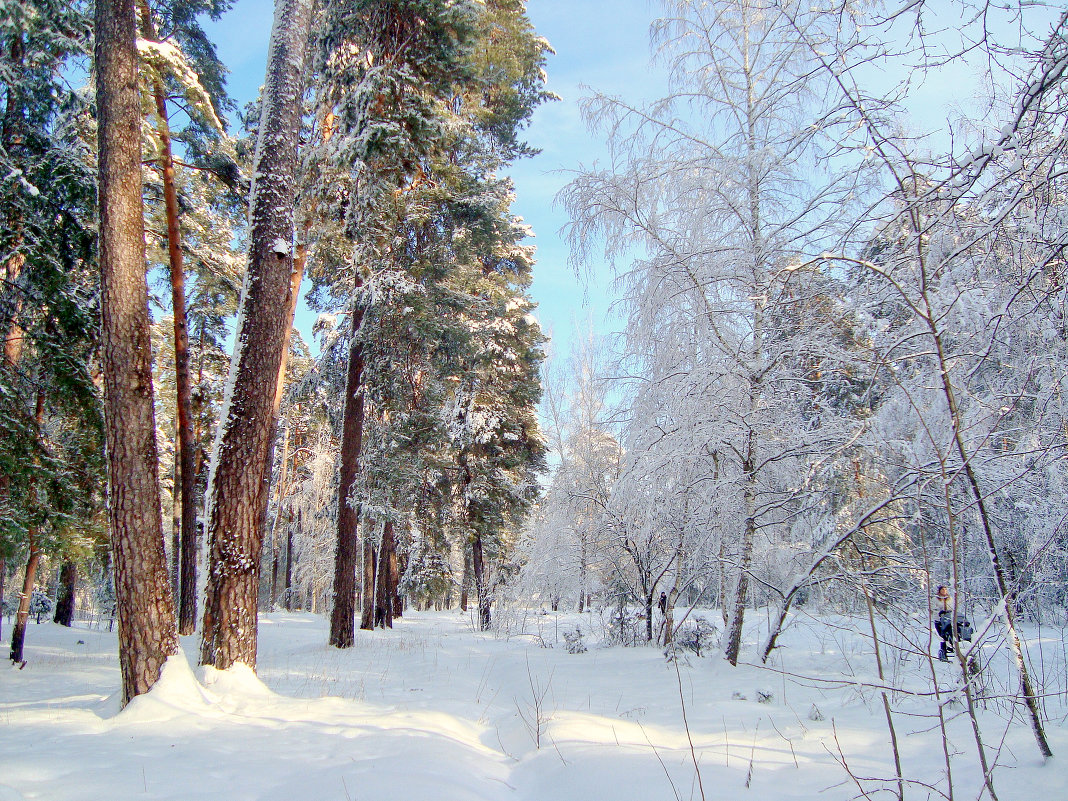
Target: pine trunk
(18, 633)
(289, 564)
(235, 494)
(299, 261)
(395, 570)
(175, 565)
(282, 491)
(185, 455)
(68, 583)
(384, 585)
(343, 615)
(12, 138)
(370, 568)
(465, 581)
(147, 631)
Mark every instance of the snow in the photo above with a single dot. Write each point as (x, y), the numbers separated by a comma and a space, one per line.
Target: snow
(433, 710)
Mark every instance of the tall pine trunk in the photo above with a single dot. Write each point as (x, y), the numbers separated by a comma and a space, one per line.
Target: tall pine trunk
(147, 631)
(186, 450)
(478, 570)
(343, 615)
(299, 260)
(68, 584)
(12, 139)
(18, 632)
(235, 492)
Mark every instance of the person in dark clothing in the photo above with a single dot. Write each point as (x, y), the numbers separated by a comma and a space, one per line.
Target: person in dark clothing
(944, 626)
(662, 603)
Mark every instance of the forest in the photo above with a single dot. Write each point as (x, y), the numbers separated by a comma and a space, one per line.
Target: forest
(824, 453)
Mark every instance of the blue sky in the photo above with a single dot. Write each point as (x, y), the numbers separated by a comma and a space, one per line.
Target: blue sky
(595, 51)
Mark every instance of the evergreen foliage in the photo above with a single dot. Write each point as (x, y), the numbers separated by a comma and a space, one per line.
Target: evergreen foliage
(50, 425)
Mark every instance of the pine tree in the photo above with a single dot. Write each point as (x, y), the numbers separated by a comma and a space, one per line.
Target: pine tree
(147, 630)
(50, 425)
(389, 69)
(167, 34)
(235, 502)
(419, 201)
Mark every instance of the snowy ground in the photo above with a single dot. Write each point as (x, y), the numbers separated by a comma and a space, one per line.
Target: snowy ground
(432, 710)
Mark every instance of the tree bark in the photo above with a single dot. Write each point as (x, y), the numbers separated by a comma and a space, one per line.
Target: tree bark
(370, 569)
(465, 580)
(235, 494)
(732, 634)
(68, 583)
(732, 640)
(147, 631)
(395, 570)
(299, 260)
(669, 612)
(343, 615)
(175, 565)
(185, 455)
(18, 632)
(384, 586)
(289, 564)
(478, 571)
(282, 491)
(12, 137)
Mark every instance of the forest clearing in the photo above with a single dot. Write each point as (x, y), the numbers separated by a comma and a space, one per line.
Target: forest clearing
(302, 495)
(436, 709)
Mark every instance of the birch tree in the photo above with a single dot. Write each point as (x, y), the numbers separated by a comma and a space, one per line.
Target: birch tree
(716, 193)
(967, 248)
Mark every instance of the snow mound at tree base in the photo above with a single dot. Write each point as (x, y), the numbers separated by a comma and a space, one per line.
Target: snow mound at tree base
(435, 710)
(175, 694)
(237, 680)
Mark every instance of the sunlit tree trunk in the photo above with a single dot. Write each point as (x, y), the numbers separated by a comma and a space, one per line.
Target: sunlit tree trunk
(299, 261)
(18, 631)
(343, 615)
(185, 455)
(235, 493)
(12, 138)
(147, 631)
(370, 573)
